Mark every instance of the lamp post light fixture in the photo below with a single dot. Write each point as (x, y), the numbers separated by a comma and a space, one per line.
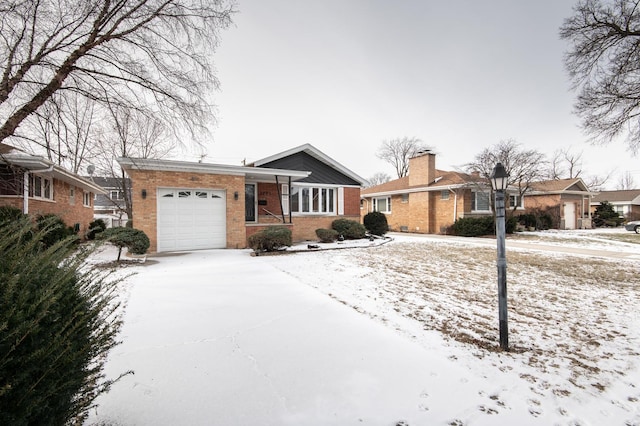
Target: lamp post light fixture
(499, 179)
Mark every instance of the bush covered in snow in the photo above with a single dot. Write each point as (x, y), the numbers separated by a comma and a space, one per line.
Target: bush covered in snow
(270, 239)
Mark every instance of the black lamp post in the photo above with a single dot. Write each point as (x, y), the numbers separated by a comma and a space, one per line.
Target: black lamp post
(499, 179)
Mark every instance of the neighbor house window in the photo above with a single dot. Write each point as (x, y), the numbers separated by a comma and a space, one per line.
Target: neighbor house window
(86, 199)
(444, 195)
(312, 199)
(516, 201)
(382, 204)
(117, 195)
(480, 201)
(40, 187)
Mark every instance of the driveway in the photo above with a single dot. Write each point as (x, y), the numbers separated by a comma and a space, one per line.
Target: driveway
(221, 338)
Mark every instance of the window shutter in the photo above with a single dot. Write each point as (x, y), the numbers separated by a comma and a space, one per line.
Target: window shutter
(341, 200)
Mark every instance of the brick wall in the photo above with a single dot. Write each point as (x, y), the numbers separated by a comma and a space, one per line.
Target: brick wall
(71, 210)
(422, 169)
(145, 214)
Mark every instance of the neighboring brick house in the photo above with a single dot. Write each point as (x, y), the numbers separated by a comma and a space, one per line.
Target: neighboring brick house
(186, 205)
(429, 200)
(111, 206)
(37, 186)
(625, 202)
(565, 200)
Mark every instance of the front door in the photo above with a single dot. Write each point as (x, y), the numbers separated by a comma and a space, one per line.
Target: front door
(570, 216)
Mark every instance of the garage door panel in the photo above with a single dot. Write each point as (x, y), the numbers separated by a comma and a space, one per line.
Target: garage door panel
(191, 219)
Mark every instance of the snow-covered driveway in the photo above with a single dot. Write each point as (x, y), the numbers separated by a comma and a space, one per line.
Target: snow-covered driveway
(222, 338)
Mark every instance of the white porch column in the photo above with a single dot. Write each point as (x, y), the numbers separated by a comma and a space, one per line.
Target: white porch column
(25, 193)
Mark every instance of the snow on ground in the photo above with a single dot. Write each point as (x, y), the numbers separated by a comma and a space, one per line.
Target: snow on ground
(399, 333)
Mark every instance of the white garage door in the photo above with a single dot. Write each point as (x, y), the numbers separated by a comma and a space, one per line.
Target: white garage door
(191, 219)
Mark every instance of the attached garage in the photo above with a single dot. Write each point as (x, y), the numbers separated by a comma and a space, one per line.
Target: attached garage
(191, 218)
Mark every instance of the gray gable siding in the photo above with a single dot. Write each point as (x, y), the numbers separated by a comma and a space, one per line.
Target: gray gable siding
(320, 172)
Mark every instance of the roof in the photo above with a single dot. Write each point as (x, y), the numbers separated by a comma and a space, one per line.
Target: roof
(317, 154)
(573, 185)
(36, 163)
(630, 196)
(106, 182)
(444, 180)
(261, 174)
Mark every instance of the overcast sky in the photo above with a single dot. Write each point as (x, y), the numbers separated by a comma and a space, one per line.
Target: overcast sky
(344, 75)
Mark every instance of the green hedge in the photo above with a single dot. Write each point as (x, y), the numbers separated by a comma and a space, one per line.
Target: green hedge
(349, 229)
(327, 235)
(270, 239)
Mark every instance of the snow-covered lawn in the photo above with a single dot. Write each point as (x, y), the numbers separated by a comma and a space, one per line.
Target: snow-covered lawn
(574, 336)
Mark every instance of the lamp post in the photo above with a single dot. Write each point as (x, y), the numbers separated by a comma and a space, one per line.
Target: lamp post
(499, 179)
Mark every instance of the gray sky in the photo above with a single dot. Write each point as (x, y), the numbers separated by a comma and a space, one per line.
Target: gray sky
(344, 75)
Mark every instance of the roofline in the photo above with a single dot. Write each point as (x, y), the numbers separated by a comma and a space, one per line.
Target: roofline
(316, 153)
(36, 163)
(187, 166)
(414, 190)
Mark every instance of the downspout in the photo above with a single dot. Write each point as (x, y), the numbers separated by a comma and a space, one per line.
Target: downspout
(25, 193)
(455, 204)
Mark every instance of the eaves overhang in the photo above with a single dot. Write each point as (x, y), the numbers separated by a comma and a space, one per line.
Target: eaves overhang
(250, 173)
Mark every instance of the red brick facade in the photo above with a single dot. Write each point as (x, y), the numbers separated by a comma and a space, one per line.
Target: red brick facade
(69, 207)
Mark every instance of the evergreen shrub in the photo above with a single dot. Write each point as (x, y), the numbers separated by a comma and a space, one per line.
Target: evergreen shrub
(376, 223)
(272, 238)
(349, 229)
(133, 239)
(58, 321)
(474, 226)
(96, 227)
(53, 229)
(327, 235)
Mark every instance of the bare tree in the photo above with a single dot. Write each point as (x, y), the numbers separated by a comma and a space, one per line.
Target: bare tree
(397, 152)
(378, 178)
(130, 133)
(604, 65)
(597, 183)
(523, 166)
(626, 181)
(565, 164)
(151, 55)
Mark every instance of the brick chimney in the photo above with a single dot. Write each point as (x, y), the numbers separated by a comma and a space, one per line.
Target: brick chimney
(422, 168)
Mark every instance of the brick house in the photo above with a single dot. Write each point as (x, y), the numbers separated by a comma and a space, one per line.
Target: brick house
(625, 202)
(429, 200)
(565, 200)
(186, 205)
(37, 186)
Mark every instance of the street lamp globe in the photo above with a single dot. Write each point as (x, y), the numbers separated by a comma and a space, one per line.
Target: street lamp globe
(499, 178)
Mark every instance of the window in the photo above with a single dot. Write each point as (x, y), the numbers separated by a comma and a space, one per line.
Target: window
(249, 202)
(116, 195)
(86, 199)
(480, 201)
(40, 187)
(405, 198)
(72, 195)
(314, 199)
(382, 205)
(516, 201)
(444, 195)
